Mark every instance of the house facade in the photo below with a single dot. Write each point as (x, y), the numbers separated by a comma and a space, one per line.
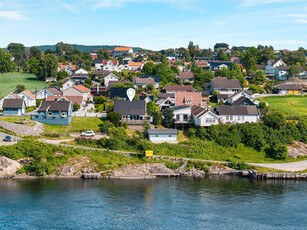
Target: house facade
(119, 51)
(281, 73)
(286, 89)
(68, 83)
(110, 77)
(78, 90)
(54, 112)
(44, 93)
(271, 65)
(232, 114)
(162, 135)
(202, 117)
(223, 85)
(15, 107)
(28, 97)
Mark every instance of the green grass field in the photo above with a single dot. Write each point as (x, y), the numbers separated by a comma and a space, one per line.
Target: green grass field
(9, 81)
(288, 104)
(78, 124)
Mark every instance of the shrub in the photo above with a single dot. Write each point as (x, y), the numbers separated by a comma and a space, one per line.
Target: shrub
(277, 151)
(173, 165)
(114, 117)
(75, 107)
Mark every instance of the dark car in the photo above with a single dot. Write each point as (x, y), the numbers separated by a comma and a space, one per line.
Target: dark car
(7, 138)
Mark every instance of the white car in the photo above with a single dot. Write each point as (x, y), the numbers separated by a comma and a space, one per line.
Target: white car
(88, 134)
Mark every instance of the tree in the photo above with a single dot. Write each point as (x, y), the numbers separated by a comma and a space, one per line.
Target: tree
(105, 126)
(275, 120)
(221, 45)
(151, 107)
(146, 125)
(277, 151)
(118, 133)
(19, 88)
(294, 70)
(88, 82)
(221, 56)
(32, 65)
(149, 68)
(259, 78)
(251, 65)
(168, 120)
(47, 67)
(61, 75)
(6, 64)
(75, 107)
(18, 51)
(157, 117)
(114, 117)
(63, 48)
(34, 52)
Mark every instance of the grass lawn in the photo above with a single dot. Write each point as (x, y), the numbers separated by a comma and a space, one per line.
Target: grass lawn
(17, 119)
(78, 124)
(288, 104)
(9, 81)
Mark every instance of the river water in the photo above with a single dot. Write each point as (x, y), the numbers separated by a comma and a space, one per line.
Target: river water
(212, 203)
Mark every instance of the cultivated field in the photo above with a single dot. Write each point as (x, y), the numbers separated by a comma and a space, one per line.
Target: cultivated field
(9, 81)
(289, 104)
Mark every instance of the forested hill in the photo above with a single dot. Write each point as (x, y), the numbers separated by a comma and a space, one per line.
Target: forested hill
(83, 48)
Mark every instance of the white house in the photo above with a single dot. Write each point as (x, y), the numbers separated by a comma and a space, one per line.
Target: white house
(110, 65)
(272, 64)
(162, 135)
(202, 117)
(110, 77)
(81, 71)
(68, 83)
(243, 93)
(182, 114)
(223, 85)
(44, 93)
(78, 90)
(28, 98)
(238, 114)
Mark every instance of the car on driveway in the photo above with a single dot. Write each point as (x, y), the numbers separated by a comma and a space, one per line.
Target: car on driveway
(88, 134)
(7, 138)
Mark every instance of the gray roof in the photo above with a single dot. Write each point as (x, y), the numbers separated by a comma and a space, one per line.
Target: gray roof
(237, 110)
(62, 106)
(242, 99)
(283, 68)
(12, 103)
(221, 95)
(162, 131)
(180, 107)
(178, 88)
(225, 83)
(166, 95)
(289, 86)
(126, 107)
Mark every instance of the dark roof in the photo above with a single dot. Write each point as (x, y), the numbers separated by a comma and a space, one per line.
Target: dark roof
(142, 98)
(289, 86)
(261, 67)
(98, 61)
(205, 93)
(126, 107)
(242, 99)
(218, 63)
(156, 77)
(237, 110)
(162, 131)
(118, 92)
(53, 90)
(178, 88)
(225, 83)
(206, 85)
(166, 95)
(221, 95)
(102, 72)
(180, 107)
(283, 68)
(12, 103)
(62, 106)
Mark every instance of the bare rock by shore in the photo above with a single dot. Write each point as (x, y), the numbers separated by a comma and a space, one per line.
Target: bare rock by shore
(8, 167)
(297, 149)
(74, 167)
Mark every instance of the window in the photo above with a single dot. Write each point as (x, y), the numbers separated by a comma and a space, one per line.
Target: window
(231, 118)
(188, 102)
(210, 120)
(227, 118)
(156, 135)
(169, 135)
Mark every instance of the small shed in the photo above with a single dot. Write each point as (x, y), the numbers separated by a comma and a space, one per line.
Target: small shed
(162, 135)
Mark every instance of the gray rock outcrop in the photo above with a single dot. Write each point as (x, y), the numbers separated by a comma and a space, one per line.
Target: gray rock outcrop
(8, 167)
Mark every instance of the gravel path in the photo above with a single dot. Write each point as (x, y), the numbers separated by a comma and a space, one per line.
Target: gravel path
(23, 130)
(292, 167)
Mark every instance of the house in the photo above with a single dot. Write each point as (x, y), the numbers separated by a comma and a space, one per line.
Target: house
(68, 83)
(110, 65)
(110, 77)
(143, 82)
(80, 71)
(271, 65)
(223, 85)
(157, 79)
(119, 51)
(205, 96)
(79, 78)
(78, 90)
(98, 62)
(44, 93)
(182, 114)
(237, 114)
(73, 99)
(303, 73)
(186, 76)
(285, 89)
(146, 98)
(281, 73)
(99, 91)
(203, 117)
(165, 103)
(243, 93)
(162, 135)
(68, 68)
(54, 112)
(217, 65)
(28, 97)
(118, 93)
(101, 74)
(132, 112)
(14, 107)
(134, 66)
(189, 99)
(178, 88)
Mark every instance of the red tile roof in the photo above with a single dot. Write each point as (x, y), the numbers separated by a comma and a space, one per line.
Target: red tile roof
(115, 62)
(122, 48)
(186, 75)
(188, 98)
(178, 88)
(73, 99)
(82, 88)
(29, 94)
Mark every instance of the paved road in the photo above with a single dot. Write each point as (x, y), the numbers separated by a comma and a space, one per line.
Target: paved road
(292, 167)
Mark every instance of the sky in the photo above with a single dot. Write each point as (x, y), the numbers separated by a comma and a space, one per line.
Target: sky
(155, 24)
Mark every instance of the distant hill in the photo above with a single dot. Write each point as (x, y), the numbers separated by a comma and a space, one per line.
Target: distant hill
(83, 48)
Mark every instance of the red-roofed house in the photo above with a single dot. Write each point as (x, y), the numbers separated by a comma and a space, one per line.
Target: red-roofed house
(110, 65)
(78, 90)
(28, 97)
(189, 99)
(186, 76)
(73, 99)
(68, 68)
(132, 66)
(118, 51)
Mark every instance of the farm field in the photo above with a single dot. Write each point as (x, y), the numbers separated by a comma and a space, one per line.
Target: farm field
(9, 81)
(288, 104)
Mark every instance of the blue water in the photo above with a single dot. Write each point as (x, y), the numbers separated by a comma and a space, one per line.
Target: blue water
(212, 203)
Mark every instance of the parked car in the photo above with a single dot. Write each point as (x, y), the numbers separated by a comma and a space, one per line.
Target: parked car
(88, 134)
(7, 138)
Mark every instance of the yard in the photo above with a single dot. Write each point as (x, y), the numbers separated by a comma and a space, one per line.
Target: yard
(26, 120)
(288, 104)
(78, 124)
(9, 81)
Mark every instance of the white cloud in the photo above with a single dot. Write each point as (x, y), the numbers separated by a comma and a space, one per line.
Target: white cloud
(297, 15)
(13, 15)
(249, 3)
(120, 3)
(69, 7)
(304, 21)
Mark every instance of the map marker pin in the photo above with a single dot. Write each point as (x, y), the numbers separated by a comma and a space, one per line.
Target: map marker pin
(130, 93)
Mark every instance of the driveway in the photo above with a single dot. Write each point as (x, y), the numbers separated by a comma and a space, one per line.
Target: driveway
(292, 167)
(14, 139)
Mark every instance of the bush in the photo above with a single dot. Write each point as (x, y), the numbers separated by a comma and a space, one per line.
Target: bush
(277, 151)
(105, 126)
(114, 117)
(239, 165)
(173, 165)
(75, 107)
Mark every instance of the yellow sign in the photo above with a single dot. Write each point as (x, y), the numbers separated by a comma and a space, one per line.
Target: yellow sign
(148, 153)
